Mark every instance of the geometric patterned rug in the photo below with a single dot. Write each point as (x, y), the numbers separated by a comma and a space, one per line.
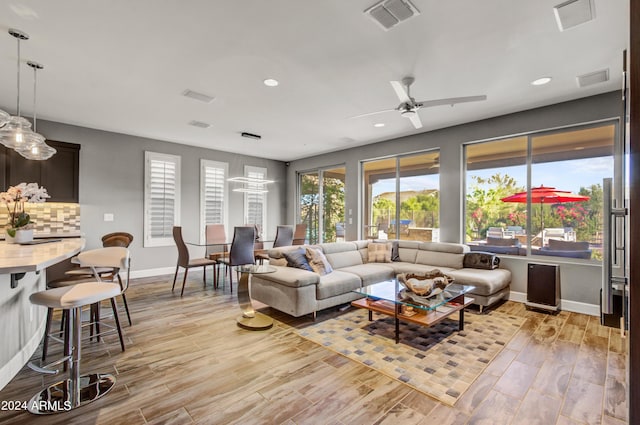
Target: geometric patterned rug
(439, 360)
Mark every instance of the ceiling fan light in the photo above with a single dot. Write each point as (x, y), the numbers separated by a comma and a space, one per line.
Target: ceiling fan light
(408, 113)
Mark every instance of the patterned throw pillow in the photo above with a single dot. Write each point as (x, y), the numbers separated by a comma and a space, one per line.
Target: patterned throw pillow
(380, 252)
(297, 258)
(318, 261)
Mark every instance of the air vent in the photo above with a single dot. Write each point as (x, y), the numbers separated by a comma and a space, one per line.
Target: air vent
(593, 78)
(198, 96)
(389, 13)
(573, 13)
(251, 135)
(199, 124)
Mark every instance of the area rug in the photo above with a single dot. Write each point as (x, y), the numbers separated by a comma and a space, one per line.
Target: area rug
(439, 361)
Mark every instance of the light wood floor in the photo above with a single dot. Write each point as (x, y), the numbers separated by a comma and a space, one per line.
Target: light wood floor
(188, 362)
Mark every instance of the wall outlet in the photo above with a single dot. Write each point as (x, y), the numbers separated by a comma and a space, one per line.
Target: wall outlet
(350, 211)
(108, 216)
(350, 220)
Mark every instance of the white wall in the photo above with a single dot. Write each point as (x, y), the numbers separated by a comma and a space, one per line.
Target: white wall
(579, 283)
(112, 181)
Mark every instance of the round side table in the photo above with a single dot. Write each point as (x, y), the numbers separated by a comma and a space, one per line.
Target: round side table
(251, 319)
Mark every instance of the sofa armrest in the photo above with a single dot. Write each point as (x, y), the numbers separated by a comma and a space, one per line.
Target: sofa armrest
(289, 276)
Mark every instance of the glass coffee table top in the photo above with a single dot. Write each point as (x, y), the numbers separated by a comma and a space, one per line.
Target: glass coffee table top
(394, 292)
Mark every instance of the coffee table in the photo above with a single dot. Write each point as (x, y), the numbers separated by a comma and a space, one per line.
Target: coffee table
(384, 298)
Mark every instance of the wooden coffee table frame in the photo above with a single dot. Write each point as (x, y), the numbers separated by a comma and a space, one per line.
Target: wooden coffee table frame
(422, 317)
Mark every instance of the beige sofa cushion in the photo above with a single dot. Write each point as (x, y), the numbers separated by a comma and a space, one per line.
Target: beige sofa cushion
(336, 283)
(292, 277)
(342, 254)
(407, 251)
(371, 272)
(403, 267)
(486, 281)
(441, 254)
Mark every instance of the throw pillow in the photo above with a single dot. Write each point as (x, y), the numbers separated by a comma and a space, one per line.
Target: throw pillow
(380, 252)
(297, 258)
(318, 261)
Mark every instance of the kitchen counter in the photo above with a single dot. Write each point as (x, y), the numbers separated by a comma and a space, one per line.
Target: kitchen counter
(23, 271)
(16, 258)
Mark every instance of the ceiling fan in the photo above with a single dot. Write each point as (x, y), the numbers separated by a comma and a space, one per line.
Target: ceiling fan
(409, 107)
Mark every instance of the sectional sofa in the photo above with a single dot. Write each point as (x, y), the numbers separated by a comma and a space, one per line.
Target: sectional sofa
(298, 292)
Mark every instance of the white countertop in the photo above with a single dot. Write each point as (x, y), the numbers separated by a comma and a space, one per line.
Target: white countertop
(16, 258)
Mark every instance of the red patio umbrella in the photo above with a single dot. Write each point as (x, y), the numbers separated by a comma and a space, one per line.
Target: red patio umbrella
(545, 195)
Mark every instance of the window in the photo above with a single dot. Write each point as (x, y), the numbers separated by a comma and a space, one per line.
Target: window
(402, 197)
(161, 198)
(255, 199)
(540, 193)
(213, 194)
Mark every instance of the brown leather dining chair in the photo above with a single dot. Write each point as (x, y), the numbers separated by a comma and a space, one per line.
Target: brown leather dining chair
(185, 262)
(284, 237)
(216, 239)
(241, 251)
(300, 234)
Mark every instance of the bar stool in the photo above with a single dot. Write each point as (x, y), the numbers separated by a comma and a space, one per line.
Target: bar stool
(113, 258)
(77, 390)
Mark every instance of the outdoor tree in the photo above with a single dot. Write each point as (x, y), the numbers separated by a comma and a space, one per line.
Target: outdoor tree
(485, 207)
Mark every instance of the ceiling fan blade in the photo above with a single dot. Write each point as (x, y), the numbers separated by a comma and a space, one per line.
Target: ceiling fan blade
(401, 92)
(373, 113)
(415, 120)
(451, 101)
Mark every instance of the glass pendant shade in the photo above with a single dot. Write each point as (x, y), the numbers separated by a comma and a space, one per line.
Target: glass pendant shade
(4, 118)
(36, 148)
(16, 132)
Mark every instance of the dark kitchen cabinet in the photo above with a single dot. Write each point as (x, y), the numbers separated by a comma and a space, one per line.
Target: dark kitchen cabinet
(58, 174)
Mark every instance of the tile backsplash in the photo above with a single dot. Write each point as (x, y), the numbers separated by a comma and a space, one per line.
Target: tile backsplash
(49, 217)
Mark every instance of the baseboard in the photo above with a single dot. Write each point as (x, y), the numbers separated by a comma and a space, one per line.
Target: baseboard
(136, 274)
(566, 305)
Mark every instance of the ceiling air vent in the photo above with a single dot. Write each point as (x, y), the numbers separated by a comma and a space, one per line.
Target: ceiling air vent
(198, 96)
(593, 78)
(199, 124)
(389, 13)
(573, 13)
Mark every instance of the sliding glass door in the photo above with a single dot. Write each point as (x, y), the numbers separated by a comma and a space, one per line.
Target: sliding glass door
(321, 204)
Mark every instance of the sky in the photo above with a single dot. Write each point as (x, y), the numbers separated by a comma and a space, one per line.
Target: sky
(565, 175)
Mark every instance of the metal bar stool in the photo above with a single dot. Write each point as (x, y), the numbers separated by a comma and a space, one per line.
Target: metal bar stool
(77, 390)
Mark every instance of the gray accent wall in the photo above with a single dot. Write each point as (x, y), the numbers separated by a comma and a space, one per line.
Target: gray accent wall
(579, 287)
(112, 181)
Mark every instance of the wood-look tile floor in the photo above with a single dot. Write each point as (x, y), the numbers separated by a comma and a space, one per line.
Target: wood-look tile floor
(187, 362)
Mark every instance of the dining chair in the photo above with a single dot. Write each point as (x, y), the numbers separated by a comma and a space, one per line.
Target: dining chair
(115, 239)
(216, 240)
(241, 252)
(284, 237)
(185, 262)
(300, 234)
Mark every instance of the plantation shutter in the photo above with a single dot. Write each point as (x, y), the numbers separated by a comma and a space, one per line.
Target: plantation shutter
(255, 203)
(213, 193)
(161, 198)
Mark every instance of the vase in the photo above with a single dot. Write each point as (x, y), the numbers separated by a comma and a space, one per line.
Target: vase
(22, 236)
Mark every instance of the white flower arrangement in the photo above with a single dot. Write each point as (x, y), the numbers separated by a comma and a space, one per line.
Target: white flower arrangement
(14, 199)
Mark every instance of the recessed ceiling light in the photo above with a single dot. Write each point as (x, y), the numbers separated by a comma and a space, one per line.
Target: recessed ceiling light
(270, 82)
(541, 81)
(379, 124)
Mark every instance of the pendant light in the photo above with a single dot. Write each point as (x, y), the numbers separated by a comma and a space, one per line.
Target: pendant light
(4, 118)
(35, 147)
(17, 131)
